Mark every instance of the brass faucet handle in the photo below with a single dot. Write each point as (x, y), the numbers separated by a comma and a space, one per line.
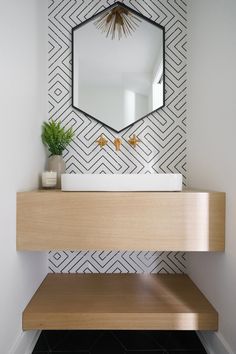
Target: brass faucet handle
(102, 141)
(117, 143)
(134, 140)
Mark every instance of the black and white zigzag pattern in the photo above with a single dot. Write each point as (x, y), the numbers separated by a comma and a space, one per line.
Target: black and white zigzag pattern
(162, 134)
(116, 262)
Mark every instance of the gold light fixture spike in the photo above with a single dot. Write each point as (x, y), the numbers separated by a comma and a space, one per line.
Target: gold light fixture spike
(134, 140)
(102, 141)
(117, 143)
(118, 21)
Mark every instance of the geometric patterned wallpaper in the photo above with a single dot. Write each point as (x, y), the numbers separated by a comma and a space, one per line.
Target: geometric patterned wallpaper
(162, 133)
(116, 262)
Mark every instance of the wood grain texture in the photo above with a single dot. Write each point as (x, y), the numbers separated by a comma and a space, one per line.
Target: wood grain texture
(163, 221)
(119, 301)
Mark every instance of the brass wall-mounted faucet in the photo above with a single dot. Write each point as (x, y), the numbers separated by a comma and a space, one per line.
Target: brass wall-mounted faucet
(133, 141)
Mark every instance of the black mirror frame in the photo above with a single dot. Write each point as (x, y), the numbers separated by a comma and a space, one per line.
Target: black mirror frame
(118, 3)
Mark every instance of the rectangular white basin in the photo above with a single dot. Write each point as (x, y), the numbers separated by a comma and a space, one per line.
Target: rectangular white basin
(121, 182)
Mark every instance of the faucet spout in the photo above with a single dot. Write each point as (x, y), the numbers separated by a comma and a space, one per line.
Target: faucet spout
(117, 143)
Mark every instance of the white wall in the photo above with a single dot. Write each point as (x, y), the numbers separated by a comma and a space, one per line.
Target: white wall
(23, 92)
(211, 153)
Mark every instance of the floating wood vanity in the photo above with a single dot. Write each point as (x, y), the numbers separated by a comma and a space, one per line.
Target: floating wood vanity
(163, 221)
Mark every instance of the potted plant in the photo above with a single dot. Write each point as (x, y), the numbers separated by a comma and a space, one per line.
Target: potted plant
(56, 138)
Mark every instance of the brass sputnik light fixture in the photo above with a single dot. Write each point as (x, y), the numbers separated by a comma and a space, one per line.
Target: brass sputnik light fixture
(118, 21)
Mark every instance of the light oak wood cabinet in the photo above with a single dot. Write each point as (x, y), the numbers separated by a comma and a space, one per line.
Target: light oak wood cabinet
(163, 221)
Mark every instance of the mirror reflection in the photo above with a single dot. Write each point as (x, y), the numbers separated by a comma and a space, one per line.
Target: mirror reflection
(118, 67)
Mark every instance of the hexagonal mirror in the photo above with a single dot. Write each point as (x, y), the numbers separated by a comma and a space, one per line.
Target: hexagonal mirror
(118, 66)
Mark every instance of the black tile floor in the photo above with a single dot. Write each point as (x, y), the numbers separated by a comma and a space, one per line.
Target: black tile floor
(118, 342)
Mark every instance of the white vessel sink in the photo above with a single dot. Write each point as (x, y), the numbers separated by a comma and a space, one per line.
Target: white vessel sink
(125, 182)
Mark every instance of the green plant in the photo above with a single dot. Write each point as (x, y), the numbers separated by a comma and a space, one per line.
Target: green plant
(55, 137)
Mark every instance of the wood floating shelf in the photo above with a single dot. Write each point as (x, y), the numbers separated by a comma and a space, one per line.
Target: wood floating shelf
(119, 301)
(164, 221)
